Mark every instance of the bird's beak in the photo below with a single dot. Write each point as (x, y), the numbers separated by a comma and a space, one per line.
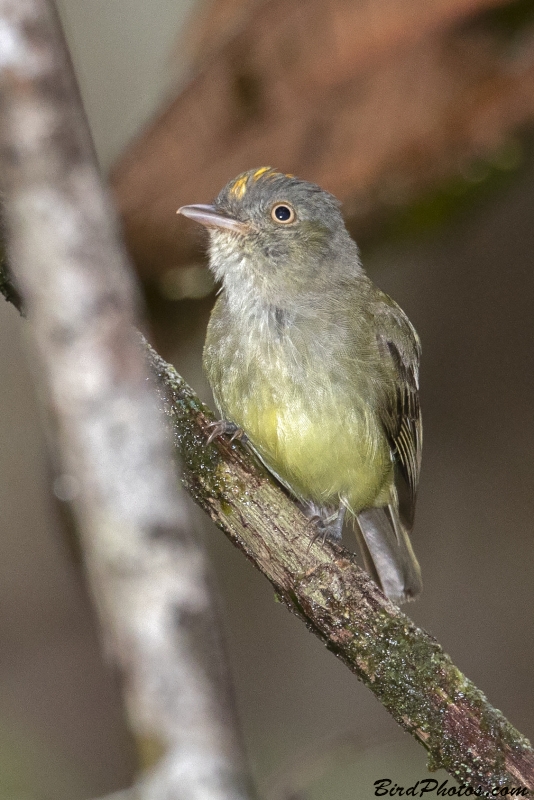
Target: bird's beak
(211, 218)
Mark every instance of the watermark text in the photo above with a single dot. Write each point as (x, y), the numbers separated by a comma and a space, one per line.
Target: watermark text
(385, 787)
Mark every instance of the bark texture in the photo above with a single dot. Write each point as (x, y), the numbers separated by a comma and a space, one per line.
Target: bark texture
(322, 584)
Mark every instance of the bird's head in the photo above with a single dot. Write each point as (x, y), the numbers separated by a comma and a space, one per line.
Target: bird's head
(275, 235)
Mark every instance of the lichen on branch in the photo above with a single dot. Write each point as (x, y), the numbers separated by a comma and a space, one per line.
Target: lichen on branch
(401, 664)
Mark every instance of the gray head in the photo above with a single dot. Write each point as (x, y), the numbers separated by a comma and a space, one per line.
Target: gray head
(276, 236)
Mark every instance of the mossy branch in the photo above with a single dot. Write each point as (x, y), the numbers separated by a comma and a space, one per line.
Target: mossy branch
(322, 584)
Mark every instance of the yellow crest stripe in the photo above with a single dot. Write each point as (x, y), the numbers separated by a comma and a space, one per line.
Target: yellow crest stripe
(259, 172)
(239, 187)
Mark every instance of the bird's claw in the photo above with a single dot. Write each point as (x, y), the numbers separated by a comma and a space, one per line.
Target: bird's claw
(327, 526)
(321, 530)
(222, 427)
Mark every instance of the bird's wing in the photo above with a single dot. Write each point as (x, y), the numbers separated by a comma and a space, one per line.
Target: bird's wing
(400, 412)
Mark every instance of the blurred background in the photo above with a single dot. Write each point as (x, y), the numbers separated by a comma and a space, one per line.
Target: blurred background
(420, 117)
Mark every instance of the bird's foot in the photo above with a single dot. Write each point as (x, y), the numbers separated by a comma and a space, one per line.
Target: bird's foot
(224, 428)
(328, 524)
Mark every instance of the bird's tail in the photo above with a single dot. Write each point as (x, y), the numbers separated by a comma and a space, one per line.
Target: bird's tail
(387, 553)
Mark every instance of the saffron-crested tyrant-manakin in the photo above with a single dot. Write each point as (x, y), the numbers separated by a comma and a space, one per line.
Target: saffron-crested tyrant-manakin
(316, 365)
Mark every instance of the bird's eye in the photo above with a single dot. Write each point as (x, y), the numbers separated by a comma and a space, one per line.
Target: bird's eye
(283, 213)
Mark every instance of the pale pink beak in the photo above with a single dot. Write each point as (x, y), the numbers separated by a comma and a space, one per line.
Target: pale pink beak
(211, 218)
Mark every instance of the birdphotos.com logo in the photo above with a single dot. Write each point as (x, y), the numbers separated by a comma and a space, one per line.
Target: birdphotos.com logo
(430, 787)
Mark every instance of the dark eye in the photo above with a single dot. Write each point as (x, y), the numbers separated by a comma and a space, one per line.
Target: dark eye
(283, 213)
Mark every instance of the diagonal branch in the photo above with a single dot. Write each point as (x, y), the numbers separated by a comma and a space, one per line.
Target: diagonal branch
(403, 666)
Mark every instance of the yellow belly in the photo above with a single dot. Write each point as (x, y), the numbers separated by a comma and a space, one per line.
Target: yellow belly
(325, 451)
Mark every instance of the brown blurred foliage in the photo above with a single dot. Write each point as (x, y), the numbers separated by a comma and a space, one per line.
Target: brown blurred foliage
(376, 101)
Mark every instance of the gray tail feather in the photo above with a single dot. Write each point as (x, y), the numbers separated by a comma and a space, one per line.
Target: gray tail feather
(387, 553)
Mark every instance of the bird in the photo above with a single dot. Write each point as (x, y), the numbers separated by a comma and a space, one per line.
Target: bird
(315, 366)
